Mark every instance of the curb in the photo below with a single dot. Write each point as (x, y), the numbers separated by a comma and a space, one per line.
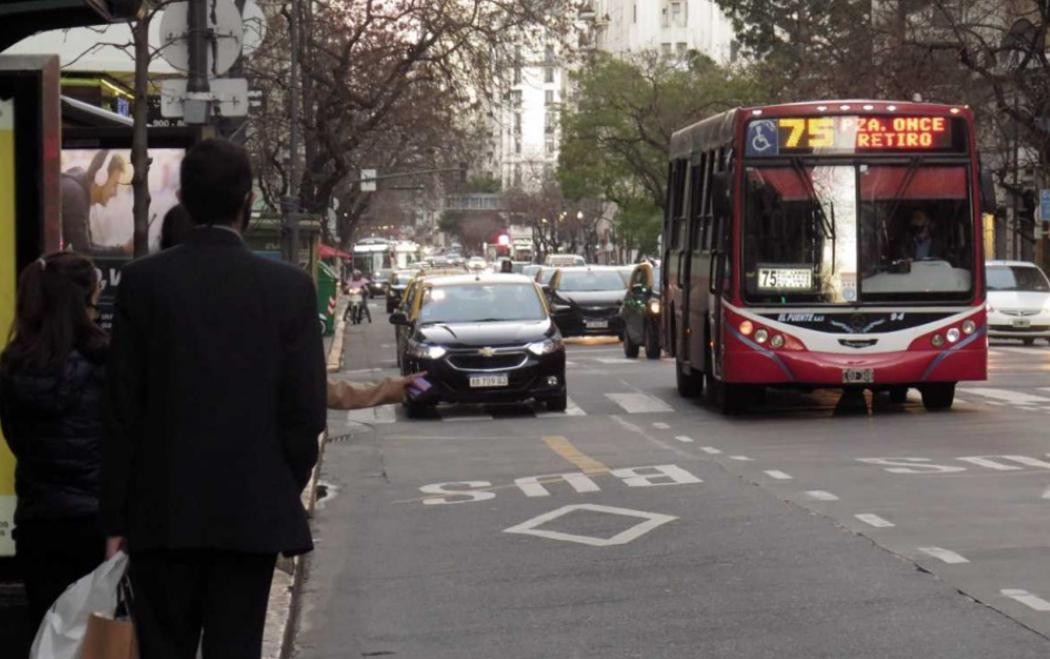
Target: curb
(286, 589)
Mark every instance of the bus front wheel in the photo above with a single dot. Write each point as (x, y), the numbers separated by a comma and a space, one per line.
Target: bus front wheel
(938, 395)
(691, 384)
(730, 399)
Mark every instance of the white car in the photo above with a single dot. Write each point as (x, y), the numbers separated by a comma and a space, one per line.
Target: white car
(1018, 301)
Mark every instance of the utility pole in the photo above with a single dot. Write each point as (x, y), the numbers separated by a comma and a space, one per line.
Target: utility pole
(196, 106)
(290, 233)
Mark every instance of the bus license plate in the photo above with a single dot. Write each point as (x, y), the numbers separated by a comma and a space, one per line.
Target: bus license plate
(1022, 322)
(596, 324)
(858, 375)
(482, 381)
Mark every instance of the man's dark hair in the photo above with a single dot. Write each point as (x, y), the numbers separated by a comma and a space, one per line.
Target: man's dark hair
(216, 177)
(177, 226)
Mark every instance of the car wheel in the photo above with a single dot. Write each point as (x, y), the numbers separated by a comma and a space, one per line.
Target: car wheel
(938, 395)
(652, 343)
(414, 410)
(899, 395)
(690, 385)
(558, 403)
(630, 348)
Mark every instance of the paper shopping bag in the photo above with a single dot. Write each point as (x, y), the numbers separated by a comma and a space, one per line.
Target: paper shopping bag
(109, 638)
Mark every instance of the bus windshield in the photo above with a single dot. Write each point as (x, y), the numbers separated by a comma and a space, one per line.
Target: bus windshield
(854, 234)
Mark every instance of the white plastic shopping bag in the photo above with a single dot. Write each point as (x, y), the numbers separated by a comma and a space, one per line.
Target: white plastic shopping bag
(63, 627)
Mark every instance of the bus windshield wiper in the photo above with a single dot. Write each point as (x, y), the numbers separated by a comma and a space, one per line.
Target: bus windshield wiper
(827, 226)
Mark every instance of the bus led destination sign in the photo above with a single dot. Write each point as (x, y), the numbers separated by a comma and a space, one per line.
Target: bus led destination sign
(851, 134)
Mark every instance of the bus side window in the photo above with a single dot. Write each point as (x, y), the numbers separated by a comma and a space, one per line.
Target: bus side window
(676, 211)
(696, 211)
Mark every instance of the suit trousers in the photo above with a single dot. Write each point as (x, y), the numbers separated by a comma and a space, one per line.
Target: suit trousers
(213, 598)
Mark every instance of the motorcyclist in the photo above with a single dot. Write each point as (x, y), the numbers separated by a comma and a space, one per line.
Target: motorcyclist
(358, 281)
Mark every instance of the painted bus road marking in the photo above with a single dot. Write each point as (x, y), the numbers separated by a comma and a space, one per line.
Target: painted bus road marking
(649, 522)
(776, 474)
(907, 465)
(567, 450)
(686, 439)
(639, 403)
(579, 482)
(821, 495)
(874, 520)
(946, 555)
(1026, 598)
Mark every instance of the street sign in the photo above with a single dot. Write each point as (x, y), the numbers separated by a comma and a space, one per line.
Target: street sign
(226, 26)
(368, 180)
(230, 96)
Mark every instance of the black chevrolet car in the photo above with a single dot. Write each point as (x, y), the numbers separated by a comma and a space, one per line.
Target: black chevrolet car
(640, 312)
(586, 300)
(482, 338)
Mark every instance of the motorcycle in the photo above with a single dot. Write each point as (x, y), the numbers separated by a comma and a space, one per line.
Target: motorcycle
(356, 308)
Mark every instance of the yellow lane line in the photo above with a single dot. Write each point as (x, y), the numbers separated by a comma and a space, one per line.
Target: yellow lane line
(563, 447)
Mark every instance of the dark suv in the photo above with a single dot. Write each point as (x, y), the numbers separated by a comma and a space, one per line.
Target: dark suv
(586, 300)
(640, 312)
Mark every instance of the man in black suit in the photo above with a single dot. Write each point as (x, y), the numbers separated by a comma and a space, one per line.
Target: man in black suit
(217, 396)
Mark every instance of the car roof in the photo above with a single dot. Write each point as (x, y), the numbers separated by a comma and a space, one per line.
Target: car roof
(479, 278)
(1013, 264)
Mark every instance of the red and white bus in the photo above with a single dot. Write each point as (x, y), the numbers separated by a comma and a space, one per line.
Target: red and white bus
(826, 244)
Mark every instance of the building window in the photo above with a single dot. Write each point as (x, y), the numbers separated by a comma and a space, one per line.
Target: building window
(634, 16)
(550, 122)
(515, 98)
(517, 146)
(665, 49)
(734, 50)
(517, 175)
(548, 74)
(517, 123)
(549, 97)
(550, 145)
(681, 48)
(548, 55)
(678, 13)
(517, 75)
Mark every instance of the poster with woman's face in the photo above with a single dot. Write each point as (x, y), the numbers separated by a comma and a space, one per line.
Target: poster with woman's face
(97, 198)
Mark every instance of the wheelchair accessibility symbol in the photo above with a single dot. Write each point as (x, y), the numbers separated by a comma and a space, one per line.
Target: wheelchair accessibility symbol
(762, 138)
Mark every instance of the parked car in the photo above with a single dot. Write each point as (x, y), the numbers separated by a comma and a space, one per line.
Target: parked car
(586, 300)
(640, 312)
(562, 260)
(1018, 301)
(482, 338)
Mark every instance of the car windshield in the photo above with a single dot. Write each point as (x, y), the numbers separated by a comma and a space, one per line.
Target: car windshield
(849, 234)
(402, 277)
(591, 280)
(472, 303)
(1016, 278)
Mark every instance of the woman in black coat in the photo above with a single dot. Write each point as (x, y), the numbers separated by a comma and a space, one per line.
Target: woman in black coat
(52, 376)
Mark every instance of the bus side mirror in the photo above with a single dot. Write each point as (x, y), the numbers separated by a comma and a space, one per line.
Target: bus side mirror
(987, 192)
(721, 204)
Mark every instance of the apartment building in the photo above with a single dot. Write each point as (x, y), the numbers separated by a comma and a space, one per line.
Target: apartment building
(672, 27)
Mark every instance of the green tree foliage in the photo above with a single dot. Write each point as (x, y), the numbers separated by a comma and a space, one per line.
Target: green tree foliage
(616, 138)
(484, 183)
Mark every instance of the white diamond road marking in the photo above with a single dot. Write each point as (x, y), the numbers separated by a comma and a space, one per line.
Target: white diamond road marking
(685, 439)
(778, 475)
(874, 520)
(1008, 396)
(1026, 598)
(821, 495)
(639, 403)
(946, 555)
(650, 522)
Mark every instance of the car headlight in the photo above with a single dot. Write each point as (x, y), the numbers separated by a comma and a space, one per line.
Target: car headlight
(424, 351)
(545, 347)
(654, 307)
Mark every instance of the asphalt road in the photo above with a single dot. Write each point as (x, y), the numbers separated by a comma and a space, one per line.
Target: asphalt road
(804, 529)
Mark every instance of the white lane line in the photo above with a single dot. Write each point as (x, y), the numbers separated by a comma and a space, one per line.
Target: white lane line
(685, 439)
(1026, 598)
(821, 495)
(874, 520)
(639, 403)
(741, 458)
(776, 474)
(960, 401)
(571, 364)
(373, 415)
(946, 555)
(711, 450)
(660, 425)
(994, 402)
(1046, 493)
(615, 360)
(1008, 396)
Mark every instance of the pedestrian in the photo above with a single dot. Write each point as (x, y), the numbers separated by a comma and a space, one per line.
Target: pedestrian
(176, 227)
(52, 383)
(217, 397)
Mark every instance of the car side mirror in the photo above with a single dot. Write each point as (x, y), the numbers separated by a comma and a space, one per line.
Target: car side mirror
(398, 318)
(988, 204)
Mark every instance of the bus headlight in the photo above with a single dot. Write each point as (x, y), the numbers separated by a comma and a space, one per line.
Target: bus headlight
(969, 327)
(746, 328)
(777, 341)
(953, 335)
(937, 340)
(654, 307)
(761, 335)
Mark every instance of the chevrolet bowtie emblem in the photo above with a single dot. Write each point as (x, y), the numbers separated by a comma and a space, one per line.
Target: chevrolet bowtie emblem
(487, 352)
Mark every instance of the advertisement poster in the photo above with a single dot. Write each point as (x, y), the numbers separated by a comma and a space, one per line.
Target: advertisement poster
(97, 203)
(7, 305)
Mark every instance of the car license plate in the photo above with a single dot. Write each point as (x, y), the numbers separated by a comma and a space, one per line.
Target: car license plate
(596, 324)
(858, 375)
(482, 381)
(1022, 322)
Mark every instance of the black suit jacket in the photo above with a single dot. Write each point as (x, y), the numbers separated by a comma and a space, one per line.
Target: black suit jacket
(217, 398)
